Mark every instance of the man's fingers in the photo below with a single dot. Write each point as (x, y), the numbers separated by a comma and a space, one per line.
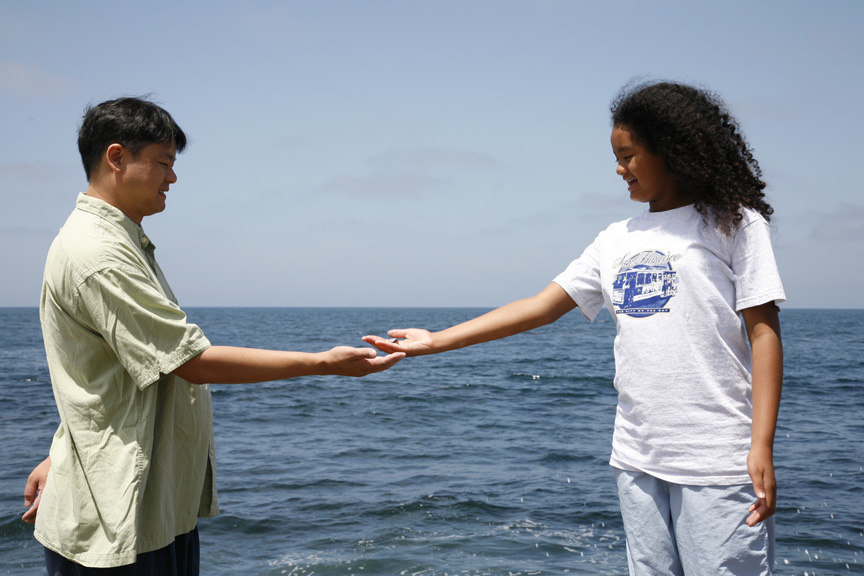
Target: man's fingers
(30, 515)
(368, 352)
(387, 361)
(31, 489)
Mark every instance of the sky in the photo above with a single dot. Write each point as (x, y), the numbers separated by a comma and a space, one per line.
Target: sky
(420, 153)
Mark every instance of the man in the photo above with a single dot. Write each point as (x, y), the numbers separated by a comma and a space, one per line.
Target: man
(131, 465)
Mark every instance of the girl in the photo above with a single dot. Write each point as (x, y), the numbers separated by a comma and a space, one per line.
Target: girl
(689, 282)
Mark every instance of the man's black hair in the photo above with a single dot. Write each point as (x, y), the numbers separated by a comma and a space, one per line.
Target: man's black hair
(131, 122)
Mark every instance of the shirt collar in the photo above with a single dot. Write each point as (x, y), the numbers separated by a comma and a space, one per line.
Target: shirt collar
(115, 217)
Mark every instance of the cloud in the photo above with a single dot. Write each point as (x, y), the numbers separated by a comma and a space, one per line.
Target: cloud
(434, 159)
(271, 24)
(844, 224)
(381, 184)
(24, 80)
(290, 143)
(31, 172)
(410, 172)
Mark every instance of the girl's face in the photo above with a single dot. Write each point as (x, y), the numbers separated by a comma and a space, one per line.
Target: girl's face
(645, 173)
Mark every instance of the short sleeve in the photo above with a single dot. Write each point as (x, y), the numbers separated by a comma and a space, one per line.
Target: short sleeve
(147, 331)
(757, 279)
(581, 280)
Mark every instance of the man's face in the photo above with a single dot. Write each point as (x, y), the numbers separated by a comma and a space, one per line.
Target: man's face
(144, 180)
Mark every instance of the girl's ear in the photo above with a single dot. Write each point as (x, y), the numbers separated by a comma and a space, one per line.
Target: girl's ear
(114, 157)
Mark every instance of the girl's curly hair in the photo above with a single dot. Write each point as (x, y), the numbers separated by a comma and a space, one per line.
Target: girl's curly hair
(700, 143)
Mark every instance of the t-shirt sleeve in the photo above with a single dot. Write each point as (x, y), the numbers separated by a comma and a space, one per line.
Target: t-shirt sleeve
(147, 331)
(581, 280)
(757, 279)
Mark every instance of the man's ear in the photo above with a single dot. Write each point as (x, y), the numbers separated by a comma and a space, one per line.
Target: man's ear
(114, 156)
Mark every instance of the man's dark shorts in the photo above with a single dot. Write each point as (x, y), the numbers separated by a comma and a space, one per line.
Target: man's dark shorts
(178, 559)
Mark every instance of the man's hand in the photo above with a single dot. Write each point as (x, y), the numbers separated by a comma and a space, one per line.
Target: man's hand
(33, 490)
(348, 361)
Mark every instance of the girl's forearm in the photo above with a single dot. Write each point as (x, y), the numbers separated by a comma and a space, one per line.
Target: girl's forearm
(514, 318)
(763, 328)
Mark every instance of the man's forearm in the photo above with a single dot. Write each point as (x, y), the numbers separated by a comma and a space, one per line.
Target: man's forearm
(232, 365)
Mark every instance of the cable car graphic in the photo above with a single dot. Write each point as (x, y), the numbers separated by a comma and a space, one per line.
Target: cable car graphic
(644, 288)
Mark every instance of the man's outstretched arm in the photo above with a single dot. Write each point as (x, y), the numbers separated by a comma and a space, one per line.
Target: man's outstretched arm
(231, 365)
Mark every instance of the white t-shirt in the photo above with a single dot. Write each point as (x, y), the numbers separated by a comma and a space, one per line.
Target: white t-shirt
(674, 286)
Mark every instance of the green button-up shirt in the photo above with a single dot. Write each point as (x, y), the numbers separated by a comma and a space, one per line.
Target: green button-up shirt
(131, 463)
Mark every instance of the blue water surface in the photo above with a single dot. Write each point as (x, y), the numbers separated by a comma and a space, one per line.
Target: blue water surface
(485, 461)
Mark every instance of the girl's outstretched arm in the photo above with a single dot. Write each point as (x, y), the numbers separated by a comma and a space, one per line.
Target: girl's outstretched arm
(763, 330)
(514, 318)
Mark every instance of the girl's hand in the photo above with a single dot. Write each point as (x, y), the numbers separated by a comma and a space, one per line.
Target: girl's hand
(760, 465)
(416, 342)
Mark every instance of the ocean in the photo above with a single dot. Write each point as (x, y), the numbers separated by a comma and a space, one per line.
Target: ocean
(491, 460)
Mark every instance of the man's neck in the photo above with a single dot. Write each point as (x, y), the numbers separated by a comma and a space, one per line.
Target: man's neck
(106, 195)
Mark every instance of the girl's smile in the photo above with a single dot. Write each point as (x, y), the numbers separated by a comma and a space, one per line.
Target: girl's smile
(648, 179)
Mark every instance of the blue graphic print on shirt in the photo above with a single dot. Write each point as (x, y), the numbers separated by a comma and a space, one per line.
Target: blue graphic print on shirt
(644, 284)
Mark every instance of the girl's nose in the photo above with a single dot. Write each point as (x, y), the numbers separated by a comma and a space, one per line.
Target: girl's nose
(620, 170)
